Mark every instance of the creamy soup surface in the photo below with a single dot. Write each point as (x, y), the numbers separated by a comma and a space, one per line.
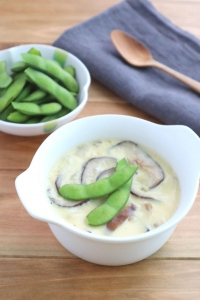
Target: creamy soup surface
(154, 195)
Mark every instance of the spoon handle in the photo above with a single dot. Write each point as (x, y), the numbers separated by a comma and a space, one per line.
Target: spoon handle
(193, 84)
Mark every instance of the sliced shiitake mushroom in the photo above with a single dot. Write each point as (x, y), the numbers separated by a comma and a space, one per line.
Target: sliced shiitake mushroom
(60, 201)
(149, 173)
(105, 173)
(57, 199)
(96, 166)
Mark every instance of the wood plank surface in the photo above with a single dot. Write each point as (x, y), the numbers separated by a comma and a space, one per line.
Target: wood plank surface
(33, 265)
(75, 279)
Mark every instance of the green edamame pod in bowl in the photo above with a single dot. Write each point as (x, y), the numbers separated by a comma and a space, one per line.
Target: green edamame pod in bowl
(24, 93)
(5, 79)
(33, 109)
(36, 95)
(33, 120)
(57, 115)
(17, 117)
(99, 188)
(52, 68)
(13, 91)
(52, 87)
(19, 66)
(71, 70)
(34, 51)
(4, 115)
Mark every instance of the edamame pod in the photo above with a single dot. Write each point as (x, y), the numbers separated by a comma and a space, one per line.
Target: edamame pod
(5, 79)
(60, 57)
(36, 95)
(12, 91)
(4, 115)
(33, 120)
(99, 188)
(52, 68)
(70, 70)
(33, 109)
(19, 66)
(2, 92)
(34, 51)
(18, 117)
(113, 204)
(46, 83)
(50, 108)
(60, 114)
(24, 93)
(47, 99)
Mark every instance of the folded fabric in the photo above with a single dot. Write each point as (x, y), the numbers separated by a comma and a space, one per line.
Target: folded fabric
(149, 89)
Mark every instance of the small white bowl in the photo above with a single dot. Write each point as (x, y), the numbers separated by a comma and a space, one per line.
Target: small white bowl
(179, 145)
(13, 55)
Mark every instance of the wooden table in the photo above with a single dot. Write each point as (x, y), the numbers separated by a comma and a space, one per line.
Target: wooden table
(33, 265)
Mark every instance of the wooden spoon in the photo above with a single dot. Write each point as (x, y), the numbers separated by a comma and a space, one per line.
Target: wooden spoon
(138, 55)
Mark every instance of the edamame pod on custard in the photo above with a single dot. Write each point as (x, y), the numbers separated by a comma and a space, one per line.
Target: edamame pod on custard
(52, 68)
(49, 85)
(99, 188)
(113, 204)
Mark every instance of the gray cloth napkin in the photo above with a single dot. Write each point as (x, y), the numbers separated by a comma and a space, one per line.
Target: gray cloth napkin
(149, 89)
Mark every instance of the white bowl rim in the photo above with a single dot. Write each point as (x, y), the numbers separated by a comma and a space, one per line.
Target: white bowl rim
(119, 239)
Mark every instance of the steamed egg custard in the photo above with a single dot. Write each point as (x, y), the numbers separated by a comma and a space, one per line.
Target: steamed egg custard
(152, 199)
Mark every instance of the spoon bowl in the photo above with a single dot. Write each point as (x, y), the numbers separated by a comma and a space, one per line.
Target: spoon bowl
(138, 55)
(130, 49)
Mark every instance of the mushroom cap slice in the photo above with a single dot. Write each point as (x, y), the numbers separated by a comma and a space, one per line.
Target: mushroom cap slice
(96, 166)
(59, 200)
(149, 173)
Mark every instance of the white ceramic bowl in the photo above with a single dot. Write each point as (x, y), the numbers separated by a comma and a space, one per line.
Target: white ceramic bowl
(179, 145)
(13, 55)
